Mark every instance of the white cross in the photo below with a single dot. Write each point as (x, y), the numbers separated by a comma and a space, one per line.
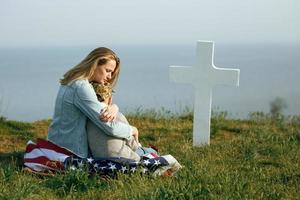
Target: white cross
(203, 76)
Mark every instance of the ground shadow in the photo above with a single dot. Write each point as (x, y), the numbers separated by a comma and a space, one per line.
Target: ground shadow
(15, 157)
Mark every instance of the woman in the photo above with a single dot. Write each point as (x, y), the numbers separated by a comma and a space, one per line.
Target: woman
(78, 111)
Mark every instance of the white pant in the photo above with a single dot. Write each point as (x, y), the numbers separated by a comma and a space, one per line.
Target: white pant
(103, 145)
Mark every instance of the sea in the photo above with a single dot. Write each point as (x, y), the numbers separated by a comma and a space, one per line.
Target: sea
(29, 78)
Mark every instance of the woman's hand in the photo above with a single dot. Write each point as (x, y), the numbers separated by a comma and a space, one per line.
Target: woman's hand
(110, 101)
(109, 113)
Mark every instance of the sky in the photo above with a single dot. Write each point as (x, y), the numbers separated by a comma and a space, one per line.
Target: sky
(140, 22)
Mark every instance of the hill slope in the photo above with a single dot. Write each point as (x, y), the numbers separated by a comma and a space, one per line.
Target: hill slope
(257, 158)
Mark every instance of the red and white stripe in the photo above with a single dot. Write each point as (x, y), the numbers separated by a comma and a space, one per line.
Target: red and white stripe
(150, 155)
(45, 155)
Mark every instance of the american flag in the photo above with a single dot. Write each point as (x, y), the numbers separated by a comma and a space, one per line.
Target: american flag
(45, 156)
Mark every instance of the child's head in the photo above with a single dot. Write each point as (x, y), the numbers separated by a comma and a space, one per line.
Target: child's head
(103, 91)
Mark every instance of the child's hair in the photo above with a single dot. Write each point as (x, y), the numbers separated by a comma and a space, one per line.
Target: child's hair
(103, 91)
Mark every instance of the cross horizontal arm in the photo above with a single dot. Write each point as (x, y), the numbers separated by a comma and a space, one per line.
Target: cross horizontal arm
(227, 76)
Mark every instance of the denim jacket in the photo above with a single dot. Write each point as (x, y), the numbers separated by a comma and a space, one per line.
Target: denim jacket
(75, 104)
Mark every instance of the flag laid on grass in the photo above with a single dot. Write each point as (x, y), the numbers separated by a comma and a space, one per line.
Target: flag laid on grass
(45, 156)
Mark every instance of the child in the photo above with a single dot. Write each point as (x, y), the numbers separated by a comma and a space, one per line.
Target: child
(104, 95)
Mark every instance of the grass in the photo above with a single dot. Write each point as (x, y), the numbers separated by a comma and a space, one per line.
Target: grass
(256, 158)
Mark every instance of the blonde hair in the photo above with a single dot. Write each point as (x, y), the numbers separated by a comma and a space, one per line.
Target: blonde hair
(86, 68)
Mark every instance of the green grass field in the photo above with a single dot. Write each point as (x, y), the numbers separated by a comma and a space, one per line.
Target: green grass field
(257, 158)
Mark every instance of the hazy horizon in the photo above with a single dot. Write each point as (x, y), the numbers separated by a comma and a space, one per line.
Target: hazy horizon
(29, 84)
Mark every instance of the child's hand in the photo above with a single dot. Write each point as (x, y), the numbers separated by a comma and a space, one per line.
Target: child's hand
(135, 134)
(109, 113)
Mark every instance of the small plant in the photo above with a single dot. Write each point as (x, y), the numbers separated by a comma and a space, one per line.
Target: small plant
(276, 108)
(218, 120)
(257, 117)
